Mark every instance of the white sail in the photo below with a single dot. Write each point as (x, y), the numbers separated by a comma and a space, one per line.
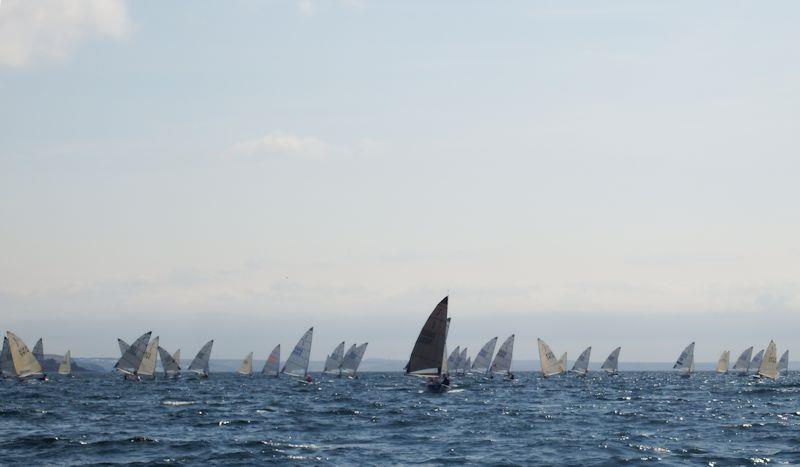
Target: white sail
(452, 360)
(272, 365)
(123, 346)
(426, 357)
(6, 362)
(756, 362)
(148, 365)
(353, 359)
(25, 364)
(562, 363)
(333, 363)
(783, 364)
(502, 361)
(550, 366)
(200, 363)
(581, 365)
(462, 359)
(132, 357)
(177, 357)
(65, 368)
(768, 367)
(743, 362)
(611, 365)
(246, 368)
(38, 351)
(685, 362)
(171, 367)
(483, 360)
(723, 362)
(467, 365)
(297, 363)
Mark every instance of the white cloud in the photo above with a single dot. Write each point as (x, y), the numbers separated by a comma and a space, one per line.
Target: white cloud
(42, 31)
(278, 144)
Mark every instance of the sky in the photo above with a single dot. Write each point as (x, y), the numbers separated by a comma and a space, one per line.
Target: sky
(591, 173)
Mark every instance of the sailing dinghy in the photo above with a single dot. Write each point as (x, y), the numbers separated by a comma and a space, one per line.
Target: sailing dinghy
(6, 362)
(199, 366)
(147, 368)
(352, 360)
(333, 363)
(723, 362)
(756, 362)
(467, 366)
(502, 361)
(25, 364)
(246, 368)
(452, 360)
(581, 365)
(128, 363)
(483, 360)
(685, 362)
(177, 357)
(38, 351)
(768, 368)
(171, 367)
(65, 367)
(427, 358)
(297, 363)
(611, 365)
(272, 365)
(783, 364)
(462, 360)
(562, 363)
(550, 366)
(742, 365)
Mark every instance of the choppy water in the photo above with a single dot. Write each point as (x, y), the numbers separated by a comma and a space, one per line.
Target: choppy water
(384, 418)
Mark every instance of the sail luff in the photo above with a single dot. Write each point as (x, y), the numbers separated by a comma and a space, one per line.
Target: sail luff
(768, 367)
(65, 368)
(297, 363)
(25, 364)
(426, 356)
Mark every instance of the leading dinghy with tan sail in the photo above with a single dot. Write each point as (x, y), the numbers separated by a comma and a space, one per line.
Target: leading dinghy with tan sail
(272, 365)
(199, 366)
(502, 361)
(246, 368)
(611, 365)
(723, 362)
(581, 365)
(427, 358)
(297, 363)
(550, 365)
(685, 362)
(768, 368)
(25, 364)
(128, 363)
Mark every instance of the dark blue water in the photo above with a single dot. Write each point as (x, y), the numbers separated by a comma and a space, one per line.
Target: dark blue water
(384, 418)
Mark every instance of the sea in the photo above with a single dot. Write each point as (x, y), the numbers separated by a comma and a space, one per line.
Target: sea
(634, 418)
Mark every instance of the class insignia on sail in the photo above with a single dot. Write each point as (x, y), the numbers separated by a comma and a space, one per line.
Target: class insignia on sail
(25, 364)
(768, 367)
(549, 364)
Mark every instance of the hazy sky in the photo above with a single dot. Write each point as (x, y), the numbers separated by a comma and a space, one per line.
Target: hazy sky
(592, 173)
